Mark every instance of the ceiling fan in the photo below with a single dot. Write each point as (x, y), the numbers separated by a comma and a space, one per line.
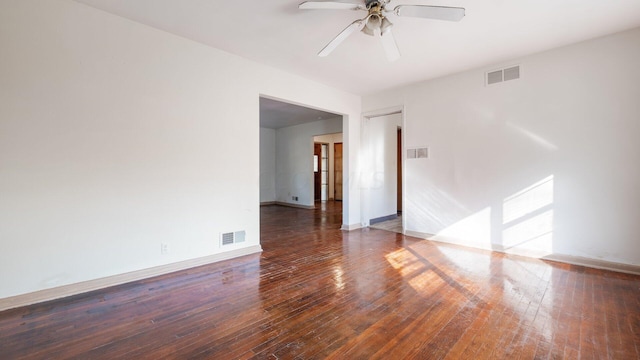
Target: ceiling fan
(376, 22)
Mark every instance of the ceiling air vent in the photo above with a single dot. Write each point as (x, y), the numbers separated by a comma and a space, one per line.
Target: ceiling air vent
(498, 76)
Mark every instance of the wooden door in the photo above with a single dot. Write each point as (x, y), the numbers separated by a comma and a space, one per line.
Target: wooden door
(317, 171)
(337, 178)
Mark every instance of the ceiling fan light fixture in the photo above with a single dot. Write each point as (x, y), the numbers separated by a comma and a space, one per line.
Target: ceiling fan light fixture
(368, 31)
(385, 26)
(373, 24)
(376, 23)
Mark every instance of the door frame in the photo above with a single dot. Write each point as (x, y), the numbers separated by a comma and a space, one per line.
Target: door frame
(321, 169)
(317, 175)
(366, 151)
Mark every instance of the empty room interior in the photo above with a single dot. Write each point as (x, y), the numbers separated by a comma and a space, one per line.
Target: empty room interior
(355, 179)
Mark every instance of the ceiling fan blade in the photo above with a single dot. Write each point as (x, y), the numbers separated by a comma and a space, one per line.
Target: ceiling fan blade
(331, 5)
(430, 12)
(356, 25)
(390, 46)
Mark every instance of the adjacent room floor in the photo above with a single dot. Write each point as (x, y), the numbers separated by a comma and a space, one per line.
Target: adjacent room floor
(319, 292)
(394, 225)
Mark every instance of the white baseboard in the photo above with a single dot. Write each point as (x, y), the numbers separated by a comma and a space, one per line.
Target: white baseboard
(294, 205)
(594, 263)
(567, 259)
(418, 234)
(86, 286)
(351, 227)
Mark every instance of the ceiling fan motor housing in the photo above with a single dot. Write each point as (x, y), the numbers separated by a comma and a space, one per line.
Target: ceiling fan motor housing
(370, 3)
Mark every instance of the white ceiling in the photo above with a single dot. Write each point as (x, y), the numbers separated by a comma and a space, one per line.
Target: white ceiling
(276, 33)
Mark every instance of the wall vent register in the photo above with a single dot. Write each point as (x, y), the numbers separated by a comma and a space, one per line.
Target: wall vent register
(232, 238)
(506, 74)
(418, 153)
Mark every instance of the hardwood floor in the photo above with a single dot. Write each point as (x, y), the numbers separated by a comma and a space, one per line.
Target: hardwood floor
(318, 292)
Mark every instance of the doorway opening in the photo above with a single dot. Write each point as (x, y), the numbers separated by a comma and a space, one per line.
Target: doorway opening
(321, 171)
(382, 137)
(294, 170)
(328, 167)
(337, 173)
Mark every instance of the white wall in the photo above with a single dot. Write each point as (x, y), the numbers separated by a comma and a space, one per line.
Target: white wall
(382, 142)
(331, 140)
(115, 137)
(547, 164)
(267, 165)
(294, 159)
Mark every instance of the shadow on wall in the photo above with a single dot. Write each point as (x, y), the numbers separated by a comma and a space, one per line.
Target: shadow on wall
(505, 204)
(521, 223)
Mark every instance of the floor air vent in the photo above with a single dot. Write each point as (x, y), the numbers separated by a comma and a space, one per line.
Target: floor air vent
(506, 74)
(232, 238)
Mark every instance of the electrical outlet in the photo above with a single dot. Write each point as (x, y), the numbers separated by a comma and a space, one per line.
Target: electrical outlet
(164, 248)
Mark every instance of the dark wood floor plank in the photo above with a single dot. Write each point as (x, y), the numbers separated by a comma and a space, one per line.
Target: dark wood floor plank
(318, 292)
